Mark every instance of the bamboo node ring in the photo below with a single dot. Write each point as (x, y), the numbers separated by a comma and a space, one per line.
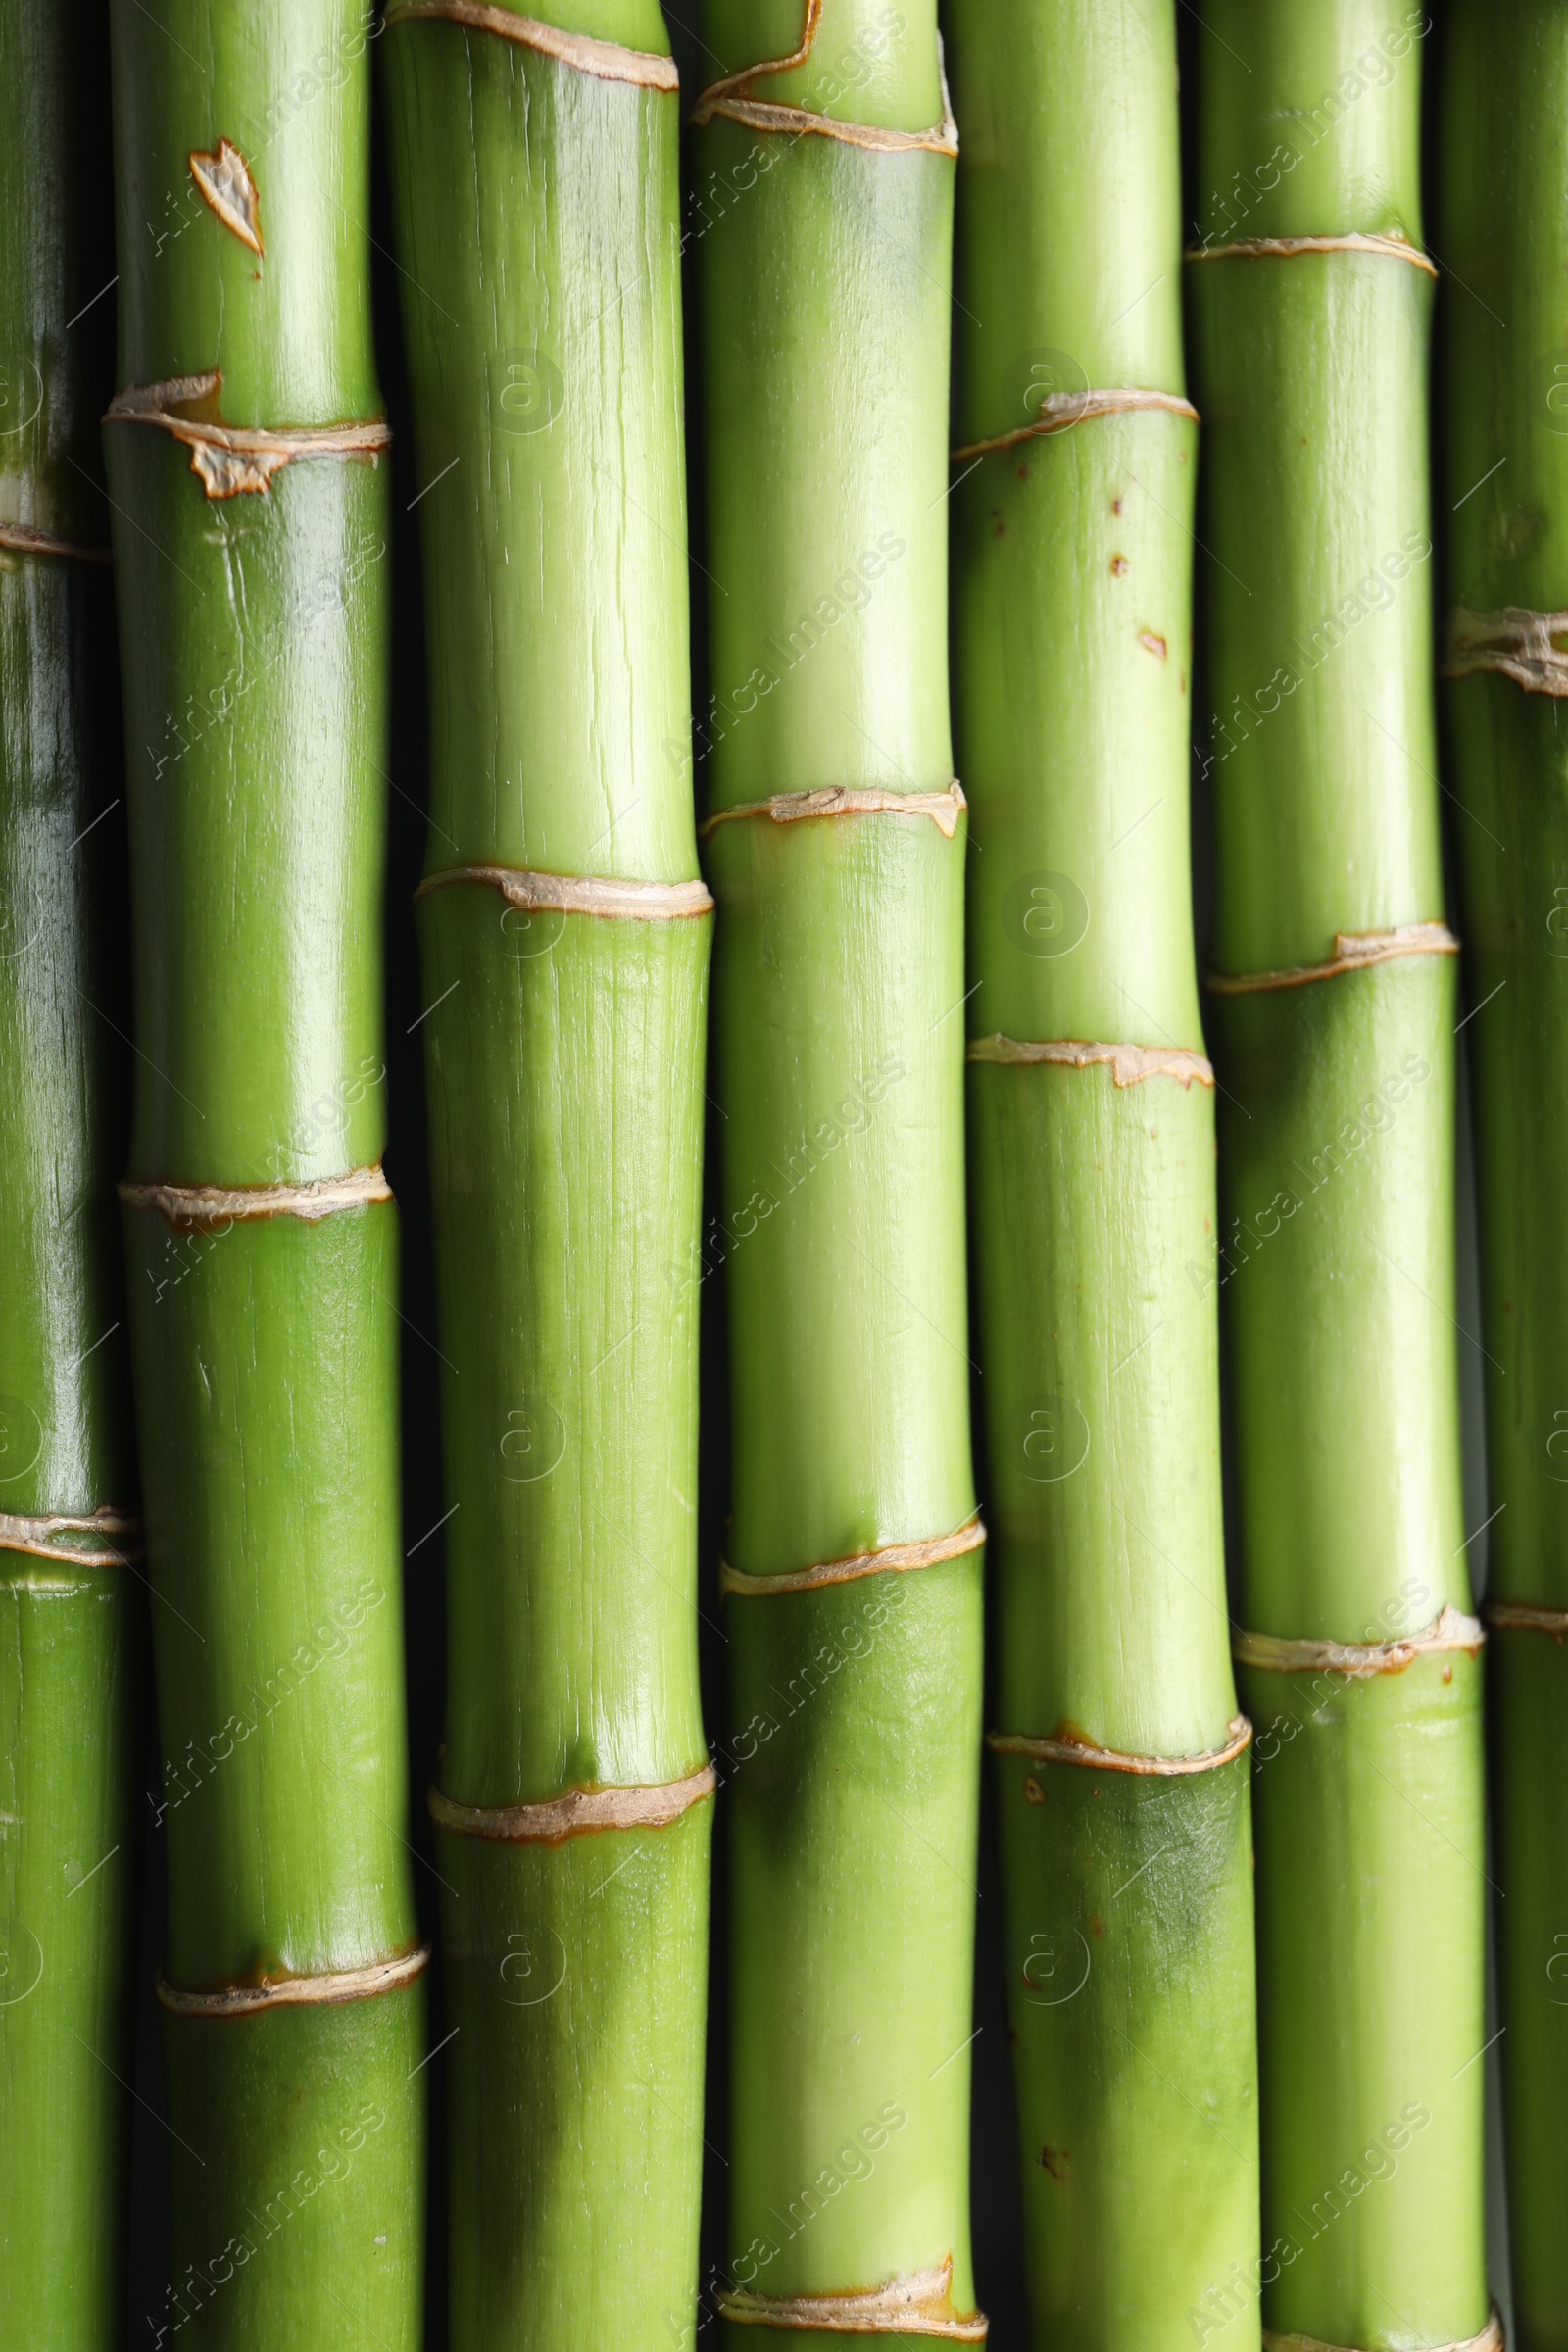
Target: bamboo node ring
(209, 1207)
(1526, 1617)
(35, 1535)
(1130, 1065)
(577, 1813)
(1452, 1631)
(732, 98)
(917, 2303)
(944, 809)
(603, 895)
(24, 540)
(1059, 411)
(1353, 952)
(228, 460)
(1531, 648)
(897, 1557)
(1491, 2339)
(1239, 1740)
(605, 61)
(288, 1992)
(1399, 249)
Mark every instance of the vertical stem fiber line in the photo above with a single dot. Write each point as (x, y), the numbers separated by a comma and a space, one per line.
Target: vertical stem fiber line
(250, 495)
(73, 1636)
(1502, 142)
(822, 164)
(565, 933)
(1121, 1769)
(1332, 1020)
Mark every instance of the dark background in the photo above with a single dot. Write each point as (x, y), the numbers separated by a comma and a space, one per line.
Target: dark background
(998, 2252)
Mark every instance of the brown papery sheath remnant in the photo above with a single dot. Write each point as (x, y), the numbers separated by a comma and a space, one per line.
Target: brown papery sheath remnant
(232, 459)
(733, 98)
(944, 809)
(578, 1813)
(225, 182)
(210, 1207)
(288, 1992)
(1276, 1654)
(1525, 1617)
(1353, 952)
(1130, 1065)
(605, 61)
(1288, 248)
(897, 1557)
(24, 540)
(37, 1536)
(1059, 411)
(918, 2304)
(578, 893)
(1531, 648)
(1110, 1759)
(1491, 2339)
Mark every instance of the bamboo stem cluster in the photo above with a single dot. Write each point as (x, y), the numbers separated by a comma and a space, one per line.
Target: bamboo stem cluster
(1192, 2058)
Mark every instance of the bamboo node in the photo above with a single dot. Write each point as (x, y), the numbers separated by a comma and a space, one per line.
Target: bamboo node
(897, 1557)
(228, 460)
(1526, 1617)
(944, 809)
(288, 1992)
(1452, 1631)
(1059, 411)
(602, 895)
(1400, 249)
(605, 61)
(24, 540)
(1353, 952)
(36, 1535)
(578, 1813)
(915, 2303)
(214, 1207)
(732, 98)
(1531, 648)
(1239, 1738)
(1130, 1065)
(1491, 2339)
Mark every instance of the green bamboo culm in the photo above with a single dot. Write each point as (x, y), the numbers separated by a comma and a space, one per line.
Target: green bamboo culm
(1121, 1768)
(1503, 377)
(566, 932)
(822, 173)
(248, 472)
(72, 1614)
(1331, 1017)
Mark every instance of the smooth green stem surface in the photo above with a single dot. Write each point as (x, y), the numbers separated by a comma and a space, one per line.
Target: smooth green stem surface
(1128, 1923)
(1334, 1259)
(72, 1615)
(253, 608)
(823, 270)
(1503, 377)
(537, 215)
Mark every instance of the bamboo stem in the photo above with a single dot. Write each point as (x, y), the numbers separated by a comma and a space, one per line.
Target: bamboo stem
(565, 941)
(1333, 1027)
(245, 465)
(71, 1628)
(834, 845)
(1503, 146)
(1121, 1772)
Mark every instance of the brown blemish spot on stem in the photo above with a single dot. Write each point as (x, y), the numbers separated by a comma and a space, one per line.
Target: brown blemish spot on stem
(1032, 1792)
(225, 184)
(1119, 566)
(1054, 2160)
(1153, 644)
